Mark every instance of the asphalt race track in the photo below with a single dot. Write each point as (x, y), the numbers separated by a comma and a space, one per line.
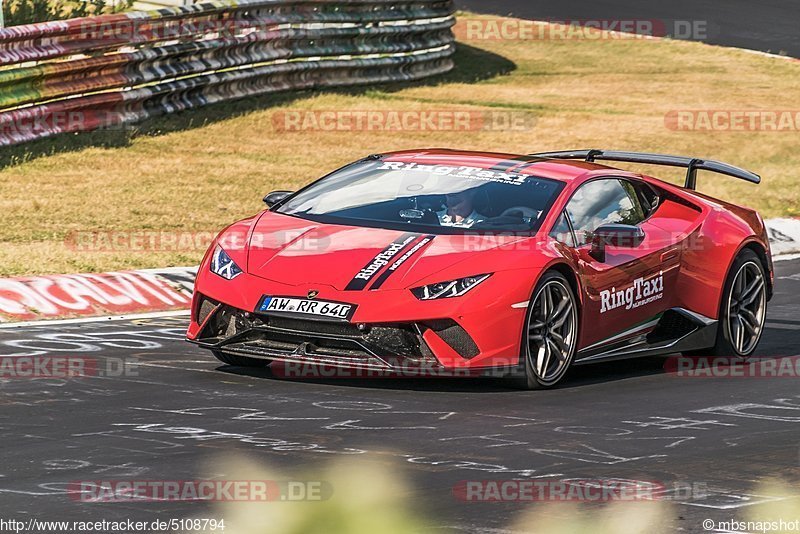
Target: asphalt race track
(767, 25)
(182, 410)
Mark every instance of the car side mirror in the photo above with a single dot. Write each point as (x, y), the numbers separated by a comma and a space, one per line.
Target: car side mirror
(276, 197)
(616, 235)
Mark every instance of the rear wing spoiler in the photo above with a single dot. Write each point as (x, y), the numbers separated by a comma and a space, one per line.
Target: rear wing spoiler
(692, 165)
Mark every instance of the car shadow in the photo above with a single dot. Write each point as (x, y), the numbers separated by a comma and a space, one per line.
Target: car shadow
(579, 376)
(472, 65)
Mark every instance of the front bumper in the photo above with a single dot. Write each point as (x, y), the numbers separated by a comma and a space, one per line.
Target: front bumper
(390, 330)
(343, 344)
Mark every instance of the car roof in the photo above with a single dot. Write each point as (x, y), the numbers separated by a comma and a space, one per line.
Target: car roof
(555, 169)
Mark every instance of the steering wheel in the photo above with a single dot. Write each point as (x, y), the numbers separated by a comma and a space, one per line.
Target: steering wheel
(522, 212)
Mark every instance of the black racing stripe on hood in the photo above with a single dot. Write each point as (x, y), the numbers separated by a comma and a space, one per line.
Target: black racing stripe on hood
(525, 165)
(509, 164)
(377, 263)
(390, 270)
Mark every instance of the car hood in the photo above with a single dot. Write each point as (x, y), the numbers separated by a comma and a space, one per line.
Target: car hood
(295, 251)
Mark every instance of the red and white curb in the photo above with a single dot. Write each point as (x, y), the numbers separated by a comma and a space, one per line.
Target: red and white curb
(784, 237)
(73, 298)
(90, 295)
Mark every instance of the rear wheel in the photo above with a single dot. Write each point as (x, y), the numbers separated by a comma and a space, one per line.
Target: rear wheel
(550, 335)
(743, 309)
(239, 361)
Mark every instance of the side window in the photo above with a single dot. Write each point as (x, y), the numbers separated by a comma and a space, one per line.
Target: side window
(562, 232)
(600, 202)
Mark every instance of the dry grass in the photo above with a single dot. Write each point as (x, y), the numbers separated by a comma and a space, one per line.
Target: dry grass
(176, 175)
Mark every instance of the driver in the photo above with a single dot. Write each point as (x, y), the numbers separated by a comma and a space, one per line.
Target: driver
(460, 211)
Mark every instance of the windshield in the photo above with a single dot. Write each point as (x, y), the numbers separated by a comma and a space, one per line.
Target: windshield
(428, 198)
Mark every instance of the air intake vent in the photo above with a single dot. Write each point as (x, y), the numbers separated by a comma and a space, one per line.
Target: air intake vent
(672, 325)
(455, 336)
(205, 306)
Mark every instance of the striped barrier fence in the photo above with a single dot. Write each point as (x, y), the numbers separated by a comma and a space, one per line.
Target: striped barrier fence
(111, 70)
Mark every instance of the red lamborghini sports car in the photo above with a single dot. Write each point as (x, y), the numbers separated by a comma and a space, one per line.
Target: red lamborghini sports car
(466, 261)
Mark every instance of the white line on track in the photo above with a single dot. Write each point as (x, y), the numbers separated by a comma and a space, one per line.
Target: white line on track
(785, 257)
(781, 326)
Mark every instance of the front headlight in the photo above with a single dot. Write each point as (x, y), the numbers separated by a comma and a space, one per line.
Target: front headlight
(453, 288)
(223, 265)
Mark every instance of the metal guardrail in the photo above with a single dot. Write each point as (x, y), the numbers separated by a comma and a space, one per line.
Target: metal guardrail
(112, 70)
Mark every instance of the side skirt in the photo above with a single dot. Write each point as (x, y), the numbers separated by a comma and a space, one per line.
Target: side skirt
(677, 330)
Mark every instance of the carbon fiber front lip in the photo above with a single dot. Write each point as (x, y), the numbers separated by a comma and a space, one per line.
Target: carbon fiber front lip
(251, 350)
(312, 360)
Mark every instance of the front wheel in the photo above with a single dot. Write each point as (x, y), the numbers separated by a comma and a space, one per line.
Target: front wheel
(549, 336)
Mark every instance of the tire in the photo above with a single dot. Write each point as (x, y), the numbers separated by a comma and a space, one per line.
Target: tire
(555, 323)
(742, 310)
(240, 361)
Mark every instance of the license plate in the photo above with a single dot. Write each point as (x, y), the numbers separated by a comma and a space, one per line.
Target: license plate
(317, 308)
